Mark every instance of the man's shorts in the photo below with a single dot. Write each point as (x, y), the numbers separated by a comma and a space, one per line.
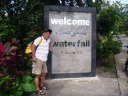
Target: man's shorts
(39, 67)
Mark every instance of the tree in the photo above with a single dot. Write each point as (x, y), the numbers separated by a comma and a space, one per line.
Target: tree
(108, 20)
(123, 13)
(7, 31)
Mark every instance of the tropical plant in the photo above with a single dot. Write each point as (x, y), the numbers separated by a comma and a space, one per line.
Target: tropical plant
(26, 84)
(8, 56)
(18, 87)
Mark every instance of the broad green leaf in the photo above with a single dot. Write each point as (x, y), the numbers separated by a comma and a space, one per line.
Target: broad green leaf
(3, 79)
(28, 87)
(26, 78)
(20, 87)
(1, 82)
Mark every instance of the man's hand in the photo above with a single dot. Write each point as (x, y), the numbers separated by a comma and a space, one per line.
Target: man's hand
(34, 59)
(51, 50)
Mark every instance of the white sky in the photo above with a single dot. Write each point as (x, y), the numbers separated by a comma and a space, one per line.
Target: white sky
(122, 1)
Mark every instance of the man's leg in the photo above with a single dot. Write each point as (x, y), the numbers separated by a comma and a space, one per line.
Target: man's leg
(37, 67)
(37, 77)
(42, 79)
(43, 75)
(36, 80)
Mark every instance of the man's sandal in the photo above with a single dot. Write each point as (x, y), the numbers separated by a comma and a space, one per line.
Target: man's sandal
(44, 87)
(39, 92)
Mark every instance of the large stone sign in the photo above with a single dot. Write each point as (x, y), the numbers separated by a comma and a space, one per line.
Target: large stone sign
(73, 41)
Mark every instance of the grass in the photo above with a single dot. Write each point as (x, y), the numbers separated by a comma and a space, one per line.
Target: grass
(108, 69)
(108, 64)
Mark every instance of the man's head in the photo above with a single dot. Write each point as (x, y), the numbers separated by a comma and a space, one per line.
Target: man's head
(47, 33)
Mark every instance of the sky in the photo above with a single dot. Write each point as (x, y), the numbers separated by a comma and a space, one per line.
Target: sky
(122, 1)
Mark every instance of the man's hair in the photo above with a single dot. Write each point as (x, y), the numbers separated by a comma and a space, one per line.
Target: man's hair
(48, 30)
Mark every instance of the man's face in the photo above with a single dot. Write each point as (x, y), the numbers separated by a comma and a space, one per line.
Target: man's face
(46, 35)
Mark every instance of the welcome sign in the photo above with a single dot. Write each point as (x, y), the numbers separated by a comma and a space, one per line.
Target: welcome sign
(73, 41)
(65, 21)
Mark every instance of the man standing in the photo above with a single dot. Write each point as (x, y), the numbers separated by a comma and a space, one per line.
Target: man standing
(39, 57)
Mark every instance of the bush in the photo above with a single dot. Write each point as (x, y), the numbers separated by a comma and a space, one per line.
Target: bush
(18, 87)
(107, 48)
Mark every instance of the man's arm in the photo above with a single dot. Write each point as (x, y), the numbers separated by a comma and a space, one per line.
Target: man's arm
(50, 47)
(33, 53)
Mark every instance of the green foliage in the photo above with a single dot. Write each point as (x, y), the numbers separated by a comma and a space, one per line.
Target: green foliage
(26, 78)
(123, 13)
(107, 47)
(3, 79)
(18, 87)
(97, 4)
(107, 20)
(8, 63)
(26, 84)
(110, 48)
(25, 22)
(7, 31)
